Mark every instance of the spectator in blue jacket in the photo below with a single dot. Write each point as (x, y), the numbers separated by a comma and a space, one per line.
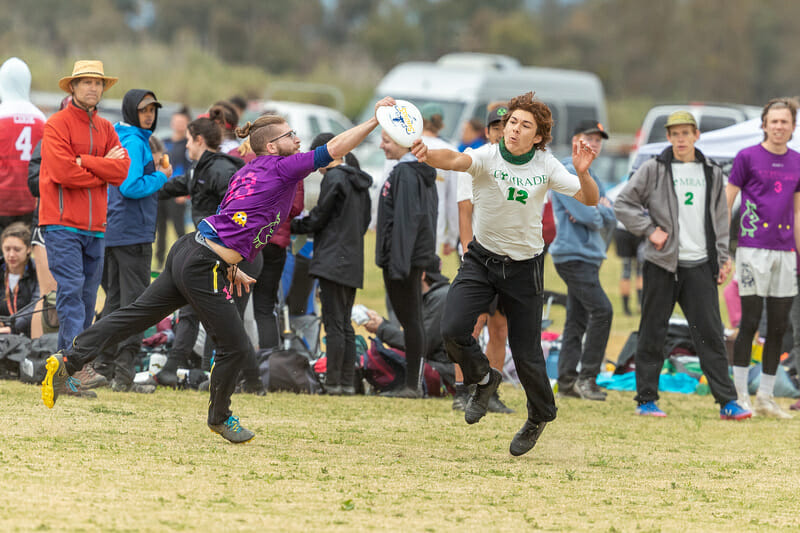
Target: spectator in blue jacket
(578, 250)
(132, 211)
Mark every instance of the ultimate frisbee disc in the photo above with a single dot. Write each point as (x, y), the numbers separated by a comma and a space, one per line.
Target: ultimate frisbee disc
(402, 122)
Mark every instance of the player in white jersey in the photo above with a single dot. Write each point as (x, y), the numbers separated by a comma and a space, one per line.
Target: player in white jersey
(509, 182)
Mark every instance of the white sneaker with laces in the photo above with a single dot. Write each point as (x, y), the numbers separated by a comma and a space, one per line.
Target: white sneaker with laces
(767, 406)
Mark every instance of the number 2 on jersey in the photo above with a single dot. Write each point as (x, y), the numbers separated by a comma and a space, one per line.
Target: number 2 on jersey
(23, 144)
(520, 195)
(689, 199)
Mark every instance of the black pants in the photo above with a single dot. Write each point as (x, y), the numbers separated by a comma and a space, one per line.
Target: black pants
(695, 289)
(340, 338)
(778, 312)
(588, 312)
(195, 275)
(189, 326)
(406, 298)
(265, 296)
(519, 285)
(169, 211)
(126, 275)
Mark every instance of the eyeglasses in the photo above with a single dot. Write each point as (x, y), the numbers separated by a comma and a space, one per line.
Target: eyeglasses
(290, 133)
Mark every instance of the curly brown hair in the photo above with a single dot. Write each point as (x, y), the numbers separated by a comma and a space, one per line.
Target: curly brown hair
(541, 114)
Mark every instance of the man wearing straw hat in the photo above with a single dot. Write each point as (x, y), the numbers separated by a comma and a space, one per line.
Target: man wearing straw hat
(81, 156)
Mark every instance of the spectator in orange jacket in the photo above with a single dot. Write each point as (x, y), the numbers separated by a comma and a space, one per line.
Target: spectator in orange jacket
(81, 155)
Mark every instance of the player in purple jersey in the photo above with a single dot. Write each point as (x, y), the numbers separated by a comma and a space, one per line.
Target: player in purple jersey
(768, 177)
(201, 266)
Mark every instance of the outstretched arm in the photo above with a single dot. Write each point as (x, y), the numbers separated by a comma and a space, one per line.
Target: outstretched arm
(344, 143)
(443, 159)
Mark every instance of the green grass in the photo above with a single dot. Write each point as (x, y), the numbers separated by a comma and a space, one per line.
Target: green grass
(130, 462)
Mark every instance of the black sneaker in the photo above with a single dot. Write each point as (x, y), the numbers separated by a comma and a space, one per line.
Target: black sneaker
(526, 438)
(479, 400)
(588, 390)
(496, 405)
(232, 430)
(567, 390)
(460, 397)
(121, 385)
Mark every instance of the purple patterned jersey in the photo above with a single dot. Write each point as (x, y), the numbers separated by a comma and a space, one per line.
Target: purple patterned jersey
(259, 197)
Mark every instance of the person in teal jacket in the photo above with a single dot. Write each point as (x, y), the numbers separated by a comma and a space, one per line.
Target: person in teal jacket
(577, 251)
(132, 213)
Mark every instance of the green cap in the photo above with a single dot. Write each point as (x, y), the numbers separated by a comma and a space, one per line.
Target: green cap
(679, 118)
(430, 109)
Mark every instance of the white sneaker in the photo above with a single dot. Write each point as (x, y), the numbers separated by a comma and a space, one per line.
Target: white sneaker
(744, 403)
(766, 406)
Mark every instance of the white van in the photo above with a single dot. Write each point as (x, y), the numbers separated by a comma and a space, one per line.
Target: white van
(465, 83)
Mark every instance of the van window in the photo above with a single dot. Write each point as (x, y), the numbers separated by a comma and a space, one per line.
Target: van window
(711, 122)
(313, 122)
(657, 132)
(336, 127)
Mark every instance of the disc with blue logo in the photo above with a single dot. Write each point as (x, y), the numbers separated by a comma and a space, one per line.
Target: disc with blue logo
(402, 122)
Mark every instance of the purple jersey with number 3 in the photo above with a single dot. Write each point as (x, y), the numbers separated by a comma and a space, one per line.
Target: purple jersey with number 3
(259, 197)
(768, 182)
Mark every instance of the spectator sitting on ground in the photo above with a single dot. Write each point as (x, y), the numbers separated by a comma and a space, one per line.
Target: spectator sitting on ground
(434, 294)
(20, 291)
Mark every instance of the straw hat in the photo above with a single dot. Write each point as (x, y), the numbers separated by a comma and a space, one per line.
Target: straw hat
(87, 69)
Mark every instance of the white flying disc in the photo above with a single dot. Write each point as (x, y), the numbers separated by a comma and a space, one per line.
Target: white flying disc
(402, 122)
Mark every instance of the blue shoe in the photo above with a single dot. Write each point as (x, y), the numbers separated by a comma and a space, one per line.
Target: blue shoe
(232, 430)
(650, 409)
(733, 411)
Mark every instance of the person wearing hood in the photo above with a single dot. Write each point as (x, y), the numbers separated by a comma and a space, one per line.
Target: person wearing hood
(405, 244)
(21, 128)
(132, 213)
(338, 222)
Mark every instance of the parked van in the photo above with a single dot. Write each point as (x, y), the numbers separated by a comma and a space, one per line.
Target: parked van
(465, 83)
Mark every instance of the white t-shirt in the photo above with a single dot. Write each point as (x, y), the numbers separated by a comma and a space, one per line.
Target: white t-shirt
(446, 186)
(508, 199)
(690, 188)
(13, 281)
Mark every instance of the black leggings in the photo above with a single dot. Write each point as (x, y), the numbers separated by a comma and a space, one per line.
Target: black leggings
(777, 319)
(406, 297)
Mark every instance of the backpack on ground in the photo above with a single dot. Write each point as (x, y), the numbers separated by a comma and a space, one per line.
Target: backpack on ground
(385, 369)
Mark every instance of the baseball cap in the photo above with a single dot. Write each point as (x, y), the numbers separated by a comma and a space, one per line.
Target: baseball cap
(496, 114)
(679, 118)
(590, 126)
(431, 109)
(147, 100)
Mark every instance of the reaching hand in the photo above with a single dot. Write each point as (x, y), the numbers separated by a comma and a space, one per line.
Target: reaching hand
(385, 101)
(419, 150)
(582, 156)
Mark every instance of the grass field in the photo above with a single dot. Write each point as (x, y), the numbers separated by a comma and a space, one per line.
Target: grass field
(130, 462)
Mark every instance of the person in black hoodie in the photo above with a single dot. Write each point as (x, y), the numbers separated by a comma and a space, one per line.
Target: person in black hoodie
(405, 244)
(206, 183)
(338, 222)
